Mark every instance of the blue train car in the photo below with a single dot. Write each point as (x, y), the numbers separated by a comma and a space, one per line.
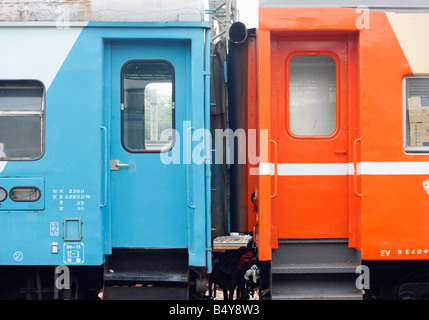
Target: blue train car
(98, 124)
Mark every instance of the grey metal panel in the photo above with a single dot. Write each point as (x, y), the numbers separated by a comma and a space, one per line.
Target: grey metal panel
(385, 5)
(157, 265)
(314, 251)
(314, 269)
(314, 283)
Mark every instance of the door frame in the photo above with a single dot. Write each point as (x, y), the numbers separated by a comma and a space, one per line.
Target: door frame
(301, 213)
(139, 219)
(266, 228)
(196, 37)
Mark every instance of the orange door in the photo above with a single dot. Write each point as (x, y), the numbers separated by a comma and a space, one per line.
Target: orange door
(310, 125)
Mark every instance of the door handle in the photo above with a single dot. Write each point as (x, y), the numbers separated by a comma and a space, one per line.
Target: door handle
(115, 165)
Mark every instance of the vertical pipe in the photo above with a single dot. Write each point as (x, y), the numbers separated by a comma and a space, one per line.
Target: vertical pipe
(207, 145)
(237, 114)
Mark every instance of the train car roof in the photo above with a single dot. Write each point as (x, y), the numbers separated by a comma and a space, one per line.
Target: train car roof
(383, 5)
(102, 10)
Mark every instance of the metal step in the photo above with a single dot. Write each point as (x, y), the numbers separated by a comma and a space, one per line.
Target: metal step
(318, 296)
(314, 269)
(147, 265)
(314, 251)
(146, 274)
(145, 293)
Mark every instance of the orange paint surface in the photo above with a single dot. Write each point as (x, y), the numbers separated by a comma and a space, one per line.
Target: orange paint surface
(393, 212)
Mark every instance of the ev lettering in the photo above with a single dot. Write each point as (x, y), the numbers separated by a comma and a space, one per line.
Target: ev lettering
(385, 253)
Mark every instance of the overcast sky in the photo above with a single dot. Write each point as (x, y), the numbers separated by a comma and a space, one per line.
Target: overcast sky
(248, 10)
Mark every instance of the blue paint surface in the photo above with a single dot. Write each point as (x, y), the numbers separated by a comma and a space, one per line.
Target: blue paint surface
(151, 205)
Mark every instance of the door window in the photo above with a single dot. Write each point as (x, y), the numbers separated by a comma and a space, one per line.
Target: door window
(147, 106)
(312, 95)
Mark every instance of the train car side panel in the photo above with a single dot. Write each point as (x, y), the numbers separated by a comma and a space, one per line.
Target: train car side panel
(72, 217)
(394, 197)
(68, 227)
(377, 215)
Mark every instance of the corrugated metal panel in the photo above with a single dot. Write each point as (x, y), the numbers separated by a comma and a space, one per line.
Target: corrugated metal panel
(386, 5)
(218, 120)
(102, 10)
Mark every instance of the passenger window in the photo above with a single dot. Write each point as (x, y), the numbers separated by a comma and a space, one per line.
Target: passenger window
(416, 107)
(21, 119)
(147, 106)
(312, 95)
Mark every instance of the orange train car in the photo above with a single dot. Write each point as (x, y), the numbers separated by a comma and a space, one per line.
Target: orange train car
(337, 190)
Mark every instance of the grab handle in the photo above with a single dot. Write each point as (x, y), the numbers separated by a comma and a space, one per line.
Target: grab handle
(105, 167)
(188, 174)
(355, 177)
(275, 169)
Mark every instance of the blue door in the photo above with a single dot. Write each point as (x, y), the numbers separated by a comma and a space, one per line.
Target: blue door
(148, 92)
